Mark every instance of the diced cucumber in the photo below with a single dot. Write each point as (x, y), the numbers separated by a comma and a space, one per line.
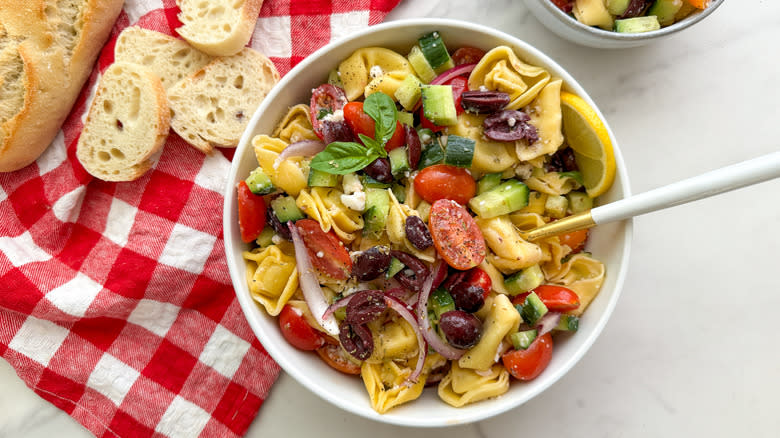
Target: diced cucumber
(406, 118)
(536, 201)
(438, 105)
(556, 206)
(265, 237)
(533, 309)
(408, 93)
(579, 202)
(335, 79)
(488, 182)
(617, 7)
(259, 183)
(377, 209)
(340, 313)
(522, 340)
(318, 178)
(568, 323)
(665, 10)
(399, 192)
(420, 65)
(431, 154)
(367, 181)
(424, 208)
(395, 267)
(285, 209)
(637, 24)
(440, 302)
(459, 151)
(505, 198)
(399, 161)
(435, 52)
(528, 279)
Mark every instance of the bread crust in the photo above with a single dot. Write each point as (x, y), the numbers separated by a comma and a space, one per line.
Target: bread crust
(52, 79)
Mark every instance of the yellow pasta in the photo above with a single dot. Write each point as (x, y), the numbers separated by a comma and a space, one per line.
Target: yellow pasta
(290, 175)
(373, 69)
(386, 384)
(393, 340)
(551, 183)
(582, 274)
(324, 205)
(499, 318)
(545, 114)
(295, 126)
(462, 386)
(500, 69)
(511, 252)
(272, 277)
(552, 250)
(396, 229)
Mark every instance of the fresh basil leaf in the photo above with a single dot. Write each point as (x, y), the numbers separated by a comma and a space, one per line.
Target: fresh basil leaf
(341, 157)
(380, 107)
(324, 112)
(574, 174)
(373, 145)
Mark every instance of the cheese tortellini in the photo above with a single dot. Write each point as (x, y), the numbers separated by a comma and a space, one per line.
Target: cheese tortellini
(295, 126)
(290, 175)
(324, 205)
(272, 277)
(462, 386)
(501, 70)
(373, 69)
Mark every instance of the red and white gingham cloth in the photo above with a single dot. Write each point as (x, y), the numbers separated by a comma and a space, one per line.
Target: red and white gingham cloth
(115, 300)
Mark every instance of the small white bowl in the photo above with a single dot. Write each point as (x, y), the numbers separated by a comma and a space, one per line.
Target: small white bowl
(566, 26)
(610, 243)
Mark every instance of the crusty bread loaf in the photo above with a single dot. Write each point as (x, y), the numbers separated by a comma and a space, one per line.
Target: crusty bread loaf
(170, 58)
(47, 50)
(218, 27)
(127, 123)
(212, 106)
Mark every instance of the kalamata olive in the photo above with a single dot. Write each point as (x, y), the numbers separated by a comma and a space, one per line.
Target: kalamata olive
(365, 306)
(437, 374)
(356, 339)
(413, 276)
(461, 329)
(484, 102)
(414, 149)
(371, 263)
(562, 161)
(467, 296)
(418, 233)
(280, 228)
(336, 131)
(379, 169)
(510, 125)
(635, 8)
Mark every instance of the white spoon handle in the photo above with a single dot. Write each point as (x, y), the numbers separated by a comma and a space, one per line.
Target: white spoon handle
(708, 184)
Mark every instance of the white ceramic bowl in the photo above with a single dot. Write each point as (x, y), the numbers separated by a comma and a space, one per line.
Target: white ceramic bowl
(609, 243)
(569, 28)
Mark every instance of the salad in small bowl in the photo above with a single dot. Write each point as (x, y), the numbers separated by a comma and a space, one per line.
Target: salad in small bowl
(374, 217)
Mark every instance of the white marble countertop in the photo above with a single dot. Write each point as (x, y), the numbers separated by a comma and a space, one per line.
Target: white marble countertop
(691, 349)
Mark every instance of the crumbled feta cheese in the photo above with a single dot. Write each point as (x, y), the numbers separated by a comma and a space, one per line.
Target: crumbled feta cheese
(335, 116)
(277, 239)
(351, 184)
(355, 201)
(511, 121)
(376, 71)
(320, 254)
(483, 88)
(425, 138)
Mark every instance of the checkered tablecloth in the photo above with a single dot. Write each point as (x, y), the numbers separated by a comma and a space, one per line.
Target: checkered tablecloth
(115, 300)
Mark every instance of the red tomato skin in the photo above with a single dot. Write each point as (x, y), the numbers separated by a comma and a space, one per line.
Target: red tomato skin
(480, 278)
(529, 363)
(361, 123)
(442, 181)
(425, 123)
(459, 85)
(555, 298)
(326, 96)
(335, 261)
(332, 355)
(564, 5)
(575, 240)
(467, 55)
(251, 213)
(297, 331)
(456, 236)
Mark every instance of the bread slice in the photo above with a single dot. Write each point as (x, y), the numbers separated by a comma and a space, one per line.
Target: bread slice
(127, 123)
(170, 58)
(212, 106)
(218, 27)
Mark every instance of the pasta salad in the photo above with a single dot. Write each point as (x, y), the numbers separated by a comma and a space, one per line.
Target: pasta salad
(384, 219)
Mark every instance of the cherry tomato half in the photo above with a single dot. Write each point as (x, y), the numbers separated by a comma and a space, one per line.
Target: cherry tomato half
(326, 251)
(456, 236)
(564, 5)
(478, 277)
(326, 97)
(459, 84)
(442, 181)
(336, 357)
(555, 298)
(251, 213)
(297, 331)
(574, 240)
(467, 55)
(529, 363)
(362, 123)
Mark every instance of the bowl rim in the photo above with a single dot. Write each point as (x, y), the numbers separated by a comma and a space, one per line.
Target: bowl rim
(611, 35)
(246, 302)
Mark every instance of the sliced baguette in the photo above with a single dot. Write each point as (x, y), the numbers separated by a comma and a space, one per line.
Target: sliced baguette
(218, 27)
(127, 123)
(212, 106)
(170, 58)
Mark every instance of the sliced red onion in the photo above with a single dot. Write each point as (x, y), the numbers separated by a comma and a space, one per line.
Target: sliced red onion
(458, 70)
(441, 347)
(441, 274)
(400, 307)
(305, 148)
(548, 322)
(310, 285)
(338, 304)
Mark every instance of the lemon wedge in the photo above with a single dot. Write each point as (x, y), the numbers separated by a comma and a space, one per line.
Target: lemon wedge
(588, 137)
